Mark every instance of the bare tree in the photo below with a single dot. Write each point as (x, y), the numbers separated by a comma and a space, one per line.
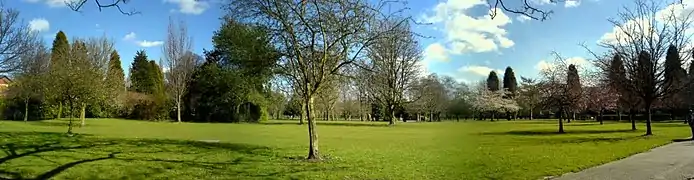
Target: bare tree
(77, 5)
(317, 38)
(179, 60)
(17, 39)
(645, 33)
(555, 87)
(98, 54)
(393, 66)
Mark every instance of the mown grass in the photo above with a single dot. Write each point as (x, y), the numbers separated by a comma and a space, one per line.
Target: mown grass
(126, 149)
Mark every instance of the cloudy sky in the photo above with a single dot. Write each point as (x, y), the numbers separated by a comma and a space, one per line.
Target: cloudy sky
(464, 41)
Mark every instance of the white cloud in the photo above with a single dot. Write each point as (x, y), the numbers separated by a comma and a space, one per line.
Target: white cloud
(435, 51)
(478, 70)
(130, 36)
(190, 6)
(465, 33)
(39, 25)
(53, 3)
(146, 43)
(572, 3)
(541, 2)
(522, 18)
(640, 25)
(543, 65)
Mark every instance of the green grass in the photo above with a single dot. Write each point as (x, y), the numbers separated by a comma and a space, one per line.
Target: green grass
(126, 149)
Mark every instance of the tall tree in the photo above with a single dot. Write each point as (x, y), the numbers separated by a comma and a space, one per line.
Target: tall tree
(648, 34)
(510, 82)
(529, 95)
(554, 87)
(30, 80)
(393, 66)
(141, 79)
(575, 90)
(179, 60)
(317, 39)
(60, 52)
(115, 81)
(98, 51)
(675, 76)
(493, 81)
(616, 75)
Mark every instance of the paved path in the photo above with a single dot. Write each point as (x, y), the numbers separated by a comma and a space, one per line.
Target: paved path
(673, 161)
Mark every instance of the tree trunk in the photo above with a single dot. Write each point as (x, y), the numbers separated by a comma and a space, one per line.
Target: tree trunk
(83, 113)
(561, 122)
(312, 134)
(392, 118)
(691, 126)
(69, 125)
(493, 116)
(178, 110)
(60, 109)
(568, 120)
(531, 113)
(619, 115)
(648, 120)
(26, 109)
(600, 116)
(631, 118)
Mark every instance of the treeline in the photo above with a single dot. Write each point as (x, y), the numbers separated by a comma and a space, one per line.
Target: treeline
(83, 78)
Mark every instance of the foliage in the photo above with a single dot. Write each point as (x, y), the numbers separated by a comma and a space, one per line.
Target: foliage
(495, 101)
(510, 82)
(146, 77)
(493, 81)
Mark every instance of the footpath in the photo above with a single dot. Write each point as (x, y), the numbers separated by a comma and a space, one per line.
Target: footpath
(674, 161)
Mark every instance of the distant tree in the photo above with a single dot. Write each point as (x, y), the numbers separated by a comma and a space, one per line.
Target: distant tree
(180, 61)
(60, 52)
(510, 82)
(393, 66)
(30, 80)
(510, 85)
(115, 82)
(98, 51)
(146, 78)
(486, 100)
(557, 88)
(675, 76)
(76, 76)
(645, 75)
(574, 90)
(528, 95)
(493, 81)
(616, 74)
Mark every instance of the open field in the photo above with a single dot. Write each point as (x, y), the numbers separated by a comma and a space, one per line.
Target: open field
(123, 149)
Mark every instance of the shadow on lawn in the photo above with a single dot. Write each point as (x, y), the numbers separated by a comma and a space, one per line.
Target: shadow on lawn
(334, 123)
(39, 155)
(554, 132)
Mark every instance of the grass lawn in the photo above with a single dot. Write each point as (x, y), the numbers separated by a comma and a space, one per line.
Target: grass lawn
(126, 149)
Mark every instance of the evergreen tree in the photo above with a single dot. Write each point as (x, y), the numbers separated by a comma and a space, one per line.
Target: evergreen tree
(115, 82)
(574, 90)
(493, 81)
(675, 77)
(60, 52)
(141, 74)
(510, 83)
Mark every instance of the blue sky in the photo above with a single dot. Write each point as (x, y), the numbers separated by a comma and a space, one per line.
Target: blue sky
(464, 43)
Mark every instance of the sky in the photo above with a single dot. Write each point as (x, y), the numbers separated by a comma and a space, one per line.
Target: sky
(461, 40)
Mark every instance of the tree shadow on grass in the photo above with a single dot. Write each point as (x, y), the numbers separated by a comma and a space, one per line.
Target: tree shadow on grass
(39, 155)
(554, 132)
(354, 124)
(54, 123)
